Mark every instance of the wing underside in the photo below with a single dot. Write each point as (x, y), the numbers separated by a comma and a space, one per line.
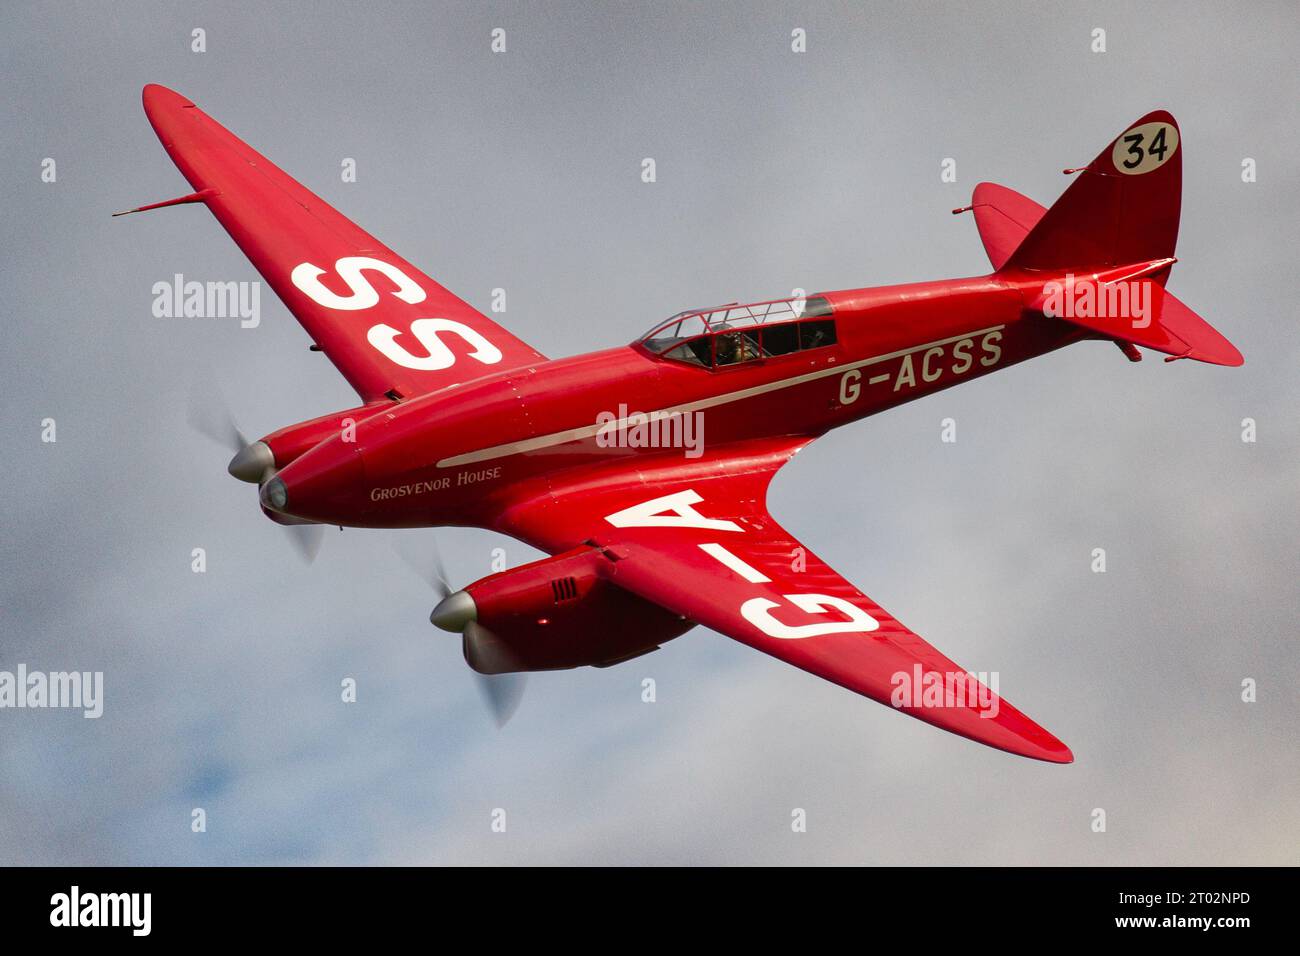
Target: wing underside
(698, 541)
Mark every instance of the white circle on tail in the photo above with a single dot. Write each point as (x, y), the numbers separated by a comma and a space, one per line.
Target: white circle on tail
(1144, 148)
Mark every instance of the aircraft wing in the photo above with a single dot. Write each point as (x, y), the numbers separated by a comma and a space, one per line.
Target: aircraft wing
(697, 539)
(390, 329)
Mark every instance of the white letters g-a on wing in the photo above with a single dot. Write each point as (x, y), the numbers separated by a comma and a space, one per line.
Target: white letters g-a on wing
(758, 611)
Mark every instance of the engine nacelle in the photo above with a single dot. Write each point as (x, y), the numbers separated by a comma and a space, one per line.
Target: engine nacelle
(293, 441)
(256, 463)
(552, 614)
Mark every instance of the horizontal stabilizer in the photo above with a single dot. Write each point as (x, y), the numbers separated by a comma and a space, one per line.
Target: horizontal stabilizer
(1004, 218)
(1130, 304)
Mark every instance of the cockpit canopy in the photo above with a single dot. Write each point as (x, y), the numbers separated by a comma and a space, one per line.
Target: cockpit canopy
(734, 333)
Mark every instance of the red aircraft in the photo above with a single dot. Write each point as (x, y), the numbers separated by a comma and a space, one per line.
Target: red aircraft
(602, 460)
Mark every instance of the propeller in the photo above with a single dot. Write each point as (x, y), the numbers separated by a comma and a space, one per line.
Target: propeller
(213, 419)
(456, 612)
(306, 539)
(209, 415)
(503, 692)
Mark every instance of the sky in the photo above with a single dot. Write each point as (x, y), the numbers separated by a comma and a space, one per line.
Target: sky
(776, 170)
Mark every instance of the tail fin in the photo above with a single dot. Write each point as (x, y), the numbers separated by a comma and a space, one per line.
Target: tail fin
(1117, 223)
(1123, 208)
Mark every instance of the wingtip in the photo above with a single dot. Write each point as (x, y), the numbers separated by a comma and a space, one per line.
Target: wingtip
(1231, 356)
(1062, 756)
(1221, 352)
(156, 97)
(1236, 361)
(1029, 739)
(1048, 750)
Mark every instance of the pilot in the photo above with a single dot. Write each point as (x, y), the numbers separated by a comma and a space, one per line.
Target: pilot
(727, 348)
(733, 347)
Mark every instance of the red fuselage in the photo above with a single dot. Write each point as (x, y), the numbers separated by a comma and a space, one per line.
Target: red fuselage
(463, 455)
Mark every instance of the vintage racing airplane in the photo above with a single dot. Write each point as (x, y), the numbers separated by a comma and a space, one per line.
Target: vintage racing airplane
(461, 423)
